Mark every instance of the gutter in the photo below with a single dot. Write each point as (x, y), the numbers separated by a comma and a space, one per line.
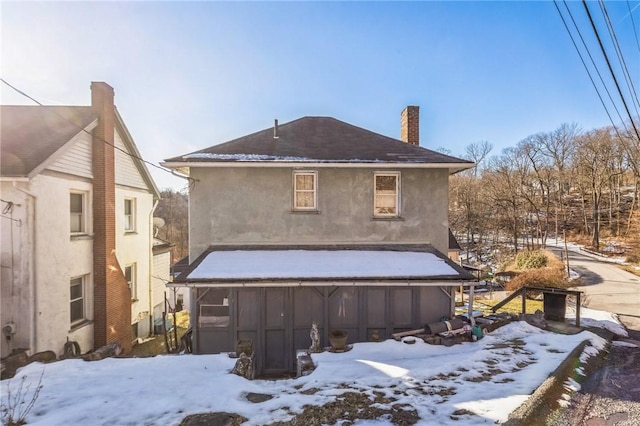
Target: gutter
(326, 283)
(32, 281)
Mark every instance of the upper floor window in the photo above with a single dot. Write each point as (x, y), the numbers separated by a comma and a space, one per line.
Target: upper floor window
(77, 299)
(77, 212)
(130, 276)
(129, 214)
(386, 194)
(305, 190)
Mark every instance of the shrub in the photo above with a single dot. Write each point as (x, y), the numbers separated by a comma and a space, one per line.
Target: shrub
(19, 401)
(531, 260)
(542, 277)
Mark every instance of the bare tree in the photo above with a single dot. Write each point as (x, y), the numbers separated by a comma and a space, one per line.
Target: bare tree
(173, 208)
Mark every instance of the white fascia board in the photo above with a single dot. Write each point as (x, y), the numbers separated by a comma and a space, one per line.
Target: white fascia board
(288, 164)
(399, 283)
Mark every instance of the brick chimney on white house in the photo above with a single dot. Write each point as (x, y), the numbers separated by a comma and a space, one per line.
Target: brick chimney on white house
(410, 125)
(112, 296)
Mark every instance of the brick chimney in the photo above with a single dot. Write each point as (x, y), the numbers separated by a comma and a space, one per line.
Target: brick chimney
(410, 125)
(112, 297)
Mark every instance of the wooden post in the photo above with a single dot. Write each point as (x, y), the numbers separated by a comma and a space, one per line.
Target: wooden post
(470, 311)
(524, 300)
(577, 309)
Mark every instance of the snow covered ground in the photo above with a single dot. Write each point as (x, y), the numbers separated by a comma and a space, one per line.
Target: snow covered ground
(476, 383)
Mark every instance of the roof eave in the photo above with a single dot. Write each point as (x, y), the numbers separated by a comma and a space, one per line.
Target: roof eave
(127, 139)
(443, 281)
(452, 167)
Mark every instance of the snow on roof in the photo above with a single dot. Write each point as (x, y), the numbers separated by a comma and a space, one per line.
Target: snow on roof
(241, 157)
(325, 264)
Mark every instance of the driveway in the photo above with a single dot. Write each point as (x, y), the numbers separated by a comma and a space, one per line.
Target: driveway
(611, 396)
(607, 287)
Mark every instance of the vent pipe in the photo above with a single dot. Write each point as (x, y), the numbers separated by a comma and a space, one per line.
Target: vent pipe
(275, 129)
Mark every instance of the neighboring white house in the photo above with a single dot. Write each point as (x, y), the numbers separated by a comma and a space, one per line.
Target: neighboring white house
(77, 246)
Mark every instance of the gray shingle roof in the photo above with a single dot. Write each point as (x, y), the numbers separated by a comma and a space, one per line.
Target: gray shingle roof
(29, 135)
(317, 140)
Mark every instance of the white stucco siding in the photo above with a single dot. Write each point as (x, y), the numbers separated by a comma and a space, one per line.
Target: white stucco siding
(126, 171)
(61, 257)
(77, 159)
(46, 258)
(16, 276)
(134, 247)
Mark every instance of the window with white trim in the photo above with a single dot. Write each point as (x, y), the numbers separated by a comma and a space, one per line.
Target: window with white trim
(386, 194)
(78, 212)
(129, 214)
(130, 276)
(305, 194)
(77, 300)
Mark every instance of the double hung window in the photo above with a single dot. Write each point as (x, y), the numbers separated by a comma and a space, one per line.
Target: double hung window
(386, 194)
(130, 276)
(129, 215)
(305, 194)
(77, 300)
(77, 212)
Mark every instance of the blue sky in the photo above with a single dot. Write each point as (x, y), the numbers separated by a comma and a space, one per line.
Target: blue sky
(188, 75)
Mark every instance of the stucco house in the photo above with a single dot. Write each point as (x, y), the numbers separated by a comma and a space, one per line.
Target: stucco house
(77, 245)
(316, 220)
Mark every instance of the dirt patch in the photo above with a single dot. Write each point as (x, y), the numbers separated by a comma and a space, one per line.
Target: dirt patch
(352, 406)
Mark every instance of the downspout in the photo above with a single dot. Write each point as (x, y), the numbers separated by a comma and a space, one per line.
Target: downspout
(155, 204)
(32, 281)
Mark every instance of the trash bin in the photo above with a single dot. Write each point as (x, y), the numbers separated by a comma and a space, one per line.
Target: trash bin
(555, 306)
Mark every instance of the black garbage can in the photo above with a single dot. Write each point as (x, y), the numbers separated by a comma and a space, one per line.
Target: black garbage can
(555, 306)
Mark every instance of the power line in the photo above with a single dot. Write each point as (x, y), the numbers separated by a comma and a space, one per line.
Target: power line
(623, 63)
(593, 62)
(613, 75)
(633, 24)
(190, 179)
(587, 68)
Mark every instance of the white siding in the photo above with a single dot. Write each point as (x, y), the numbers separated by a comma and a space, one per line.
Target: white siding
(160, 276)
(135, 247)
(45, 258)
(126, 171)
(76, 160)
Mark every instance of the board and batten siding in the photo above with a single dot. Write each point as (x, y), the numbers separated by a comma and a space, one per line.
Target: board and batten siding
(77, 160)
(127, 173)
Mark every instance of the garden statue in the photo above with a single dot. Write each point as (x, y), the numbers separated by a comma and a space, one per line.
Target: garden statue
(315, 339)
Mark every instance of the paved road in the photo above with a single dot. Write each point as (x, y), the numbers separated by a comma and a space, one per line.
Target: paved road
(608, 288)
(611, 396)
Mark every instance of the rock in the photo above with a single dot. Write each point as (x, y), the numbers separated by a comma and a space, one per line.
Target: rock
(244, 366)
(213, 419)
(112, 349)
(257, 398)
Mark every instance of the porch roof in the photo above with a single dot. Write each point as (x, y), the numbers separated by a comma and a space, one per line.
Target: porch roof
(321, 265)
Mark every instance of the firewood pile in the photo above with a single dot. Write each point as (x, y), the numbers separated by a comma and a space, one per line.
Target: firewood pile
(456, 330)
